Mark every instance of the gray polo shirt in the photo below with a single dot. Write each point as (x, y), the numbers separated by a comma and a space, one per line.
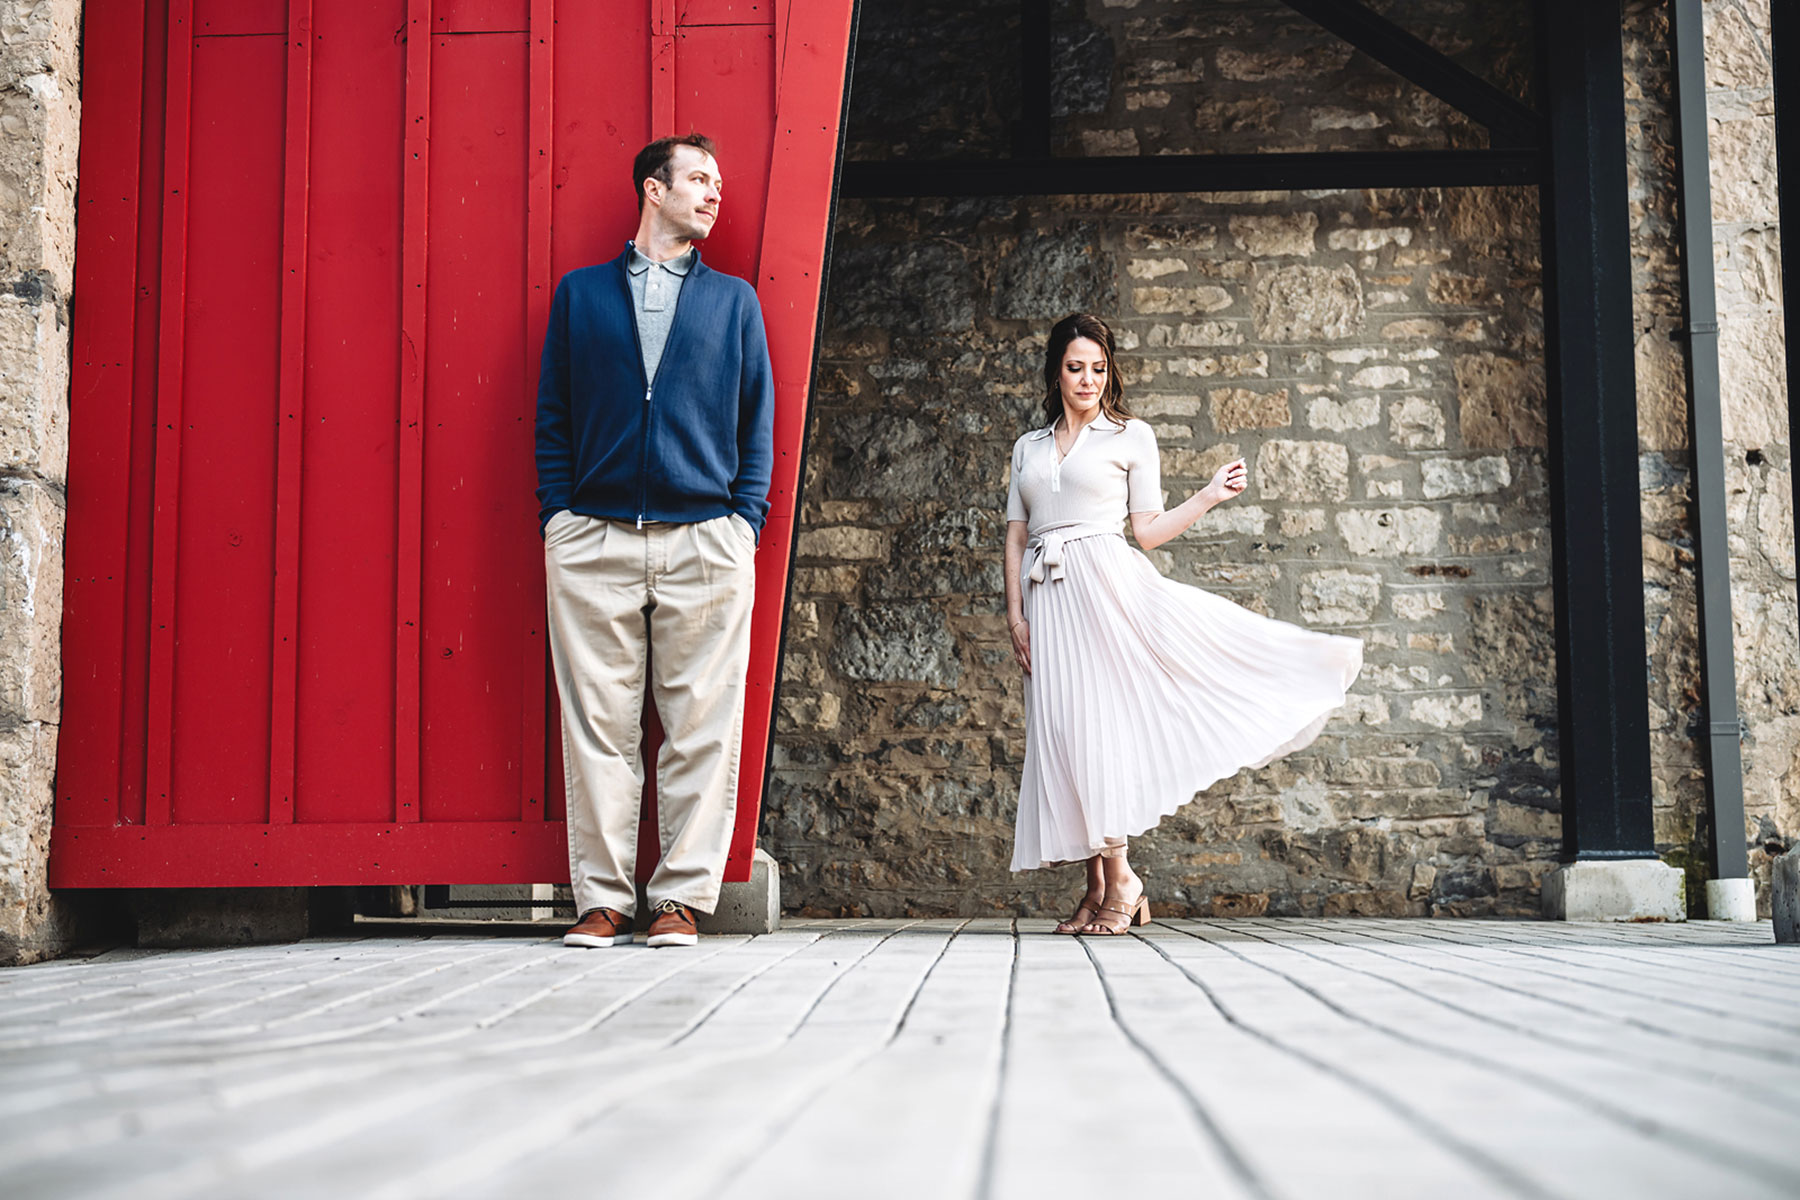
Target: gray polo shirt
(655, 287)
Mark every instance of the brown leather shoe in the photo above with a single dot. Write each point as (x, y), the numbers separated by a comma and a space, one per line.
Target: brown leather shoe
(673, 926)
(602, 927)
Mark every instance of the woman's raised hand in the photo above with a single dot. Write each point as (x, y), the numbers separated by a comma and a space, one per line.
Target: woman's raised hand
(1230, 479)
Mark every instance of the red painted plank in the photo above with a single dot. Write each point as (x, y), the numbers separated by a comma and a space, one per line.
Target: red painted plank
(231, 324)
(539, 286)
(726, 90)
(291, 405)
(99, 506)
(788, 279)
(479, 471)
(726, 12)
(237, 18)
(345, 769)
(662, 69)
(600, 122)
(416, 196)
(480, 16)
(258, 855)
(159, 735)
(134, 735)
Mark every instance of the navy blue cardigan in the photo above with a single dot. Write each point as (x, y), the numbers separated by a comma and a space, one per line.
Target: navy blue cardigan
(694, 443)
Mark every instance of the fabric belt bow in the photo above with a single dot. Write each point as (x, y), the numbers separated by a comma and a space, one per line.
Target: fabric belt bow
(1047, 557)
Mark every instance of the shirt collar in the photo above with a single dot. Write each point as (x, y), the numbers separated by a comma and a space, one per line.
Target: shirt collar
(1102, 422)
(681, 264)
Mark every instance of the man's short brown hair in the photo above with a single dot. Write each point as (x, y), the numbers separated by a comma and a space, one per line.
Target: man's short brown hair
(653, 160)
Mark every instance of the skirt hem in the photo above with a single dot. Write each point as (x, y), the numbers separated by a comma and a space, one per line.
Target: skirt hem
(1298, 740)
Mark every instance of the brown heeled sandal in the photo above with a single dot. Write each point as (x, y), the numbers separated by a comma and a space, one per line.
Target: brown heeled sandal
(1075, 924)
(1113, 920)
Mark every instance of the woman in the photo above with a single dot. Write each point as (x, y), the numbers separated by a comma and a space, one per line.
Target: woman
(1139, 692)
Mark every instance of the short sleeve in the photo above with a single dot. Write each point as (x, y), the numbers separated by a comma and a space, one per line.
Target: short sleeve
(1015, 502)
(1144, 474)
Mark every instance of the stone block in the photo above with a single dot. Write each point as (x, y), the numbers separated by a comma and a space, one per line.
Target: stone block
(1784, 896)
(1463, 476)
(1340, 416)
(842, 541)
(1416, 423)
(1188, 301)
(1154, 268)
(1382, 376)
(750, 907)
(1390, 531)
(1253, 63)
(31, 577)
(1368, 241)
(1752, 378)
(1307, 304)
(1275, 234)
(896, 643)
(1446, 712)
(1502, 401)
(1240, 408)
(1164, 236)
(1339, 597)
(1056, 272)
(1256, 114)
(1303, 470)
(1737, 54)
(29, 926)
(1634, 889)
(34, 383)
(39, 135)
(1730, 900)
(1743, 169)
(1182, 463)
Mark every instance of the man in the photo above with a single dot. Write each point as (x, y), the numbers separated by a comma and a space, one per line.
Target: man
(654, 449)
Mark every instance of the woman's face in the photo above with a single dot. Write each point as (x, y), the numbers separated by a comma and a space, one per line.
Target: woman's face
(1083, 376)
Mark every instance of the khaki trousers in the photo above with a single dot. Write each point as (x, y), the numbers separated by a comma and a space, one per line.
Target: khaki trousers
(670, 605)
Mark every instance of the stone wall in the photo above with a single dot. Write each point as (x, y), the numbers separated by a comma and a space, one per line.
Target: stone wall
(39, 127)
(1753, 371)
(1377, 356)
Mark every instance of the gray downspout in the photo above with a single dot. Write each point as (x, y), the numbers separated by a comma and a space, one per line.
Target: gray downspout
(1730, 896)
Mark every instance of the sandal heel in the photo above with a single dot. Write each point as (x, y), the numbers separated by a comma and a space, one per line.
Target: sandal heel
(1141, 914)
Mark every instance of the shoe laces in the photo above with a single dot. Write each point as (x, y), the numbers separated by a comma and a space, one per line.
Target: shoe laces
(671, 907)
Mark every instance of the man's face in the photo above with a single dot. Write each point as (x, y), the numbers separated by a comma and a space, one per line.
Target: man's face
(690, 202)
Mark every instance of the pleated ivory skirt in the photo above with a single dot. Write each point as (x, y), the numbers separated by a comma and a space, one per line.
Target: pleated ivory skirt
(1144, 692)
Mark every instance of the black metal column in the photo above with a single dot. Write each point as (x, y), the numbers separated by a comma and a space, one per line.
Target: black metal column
(1603, 697)
(1706, 437)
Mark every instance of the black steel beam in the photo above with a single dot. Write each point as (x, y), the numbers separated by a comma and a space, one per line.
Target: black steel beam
(1031, 136)
(1597, 548)
(1784, 49)
(1509, 122)
(1706, 437)
(1191, 173)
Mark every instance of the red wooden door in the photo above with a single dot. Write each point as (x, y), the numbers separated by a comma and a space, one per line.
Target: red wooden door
(303, 629)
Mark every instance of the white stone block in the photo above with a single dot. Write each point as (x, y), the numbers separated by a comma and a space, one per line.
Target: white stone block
(751, 907)
(1730, 900)
(1631, 889)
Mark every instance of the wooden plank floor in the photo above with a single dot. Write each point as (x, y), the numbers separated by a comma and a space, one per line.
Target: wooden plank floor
(920, 1059)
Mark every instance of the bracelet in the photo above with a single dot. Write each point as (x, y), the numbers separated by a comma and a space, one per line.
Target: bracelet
(1015, 624)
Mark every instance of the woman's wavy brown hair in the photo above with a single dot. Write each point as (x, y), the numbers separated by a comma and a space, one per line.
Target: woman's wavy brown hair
(1082, 325)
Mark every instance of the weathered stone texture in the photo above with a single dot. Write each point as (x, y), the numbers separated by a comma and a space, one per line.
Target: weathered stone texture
(1300, 332)
(1759, 488)
(39, 131)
